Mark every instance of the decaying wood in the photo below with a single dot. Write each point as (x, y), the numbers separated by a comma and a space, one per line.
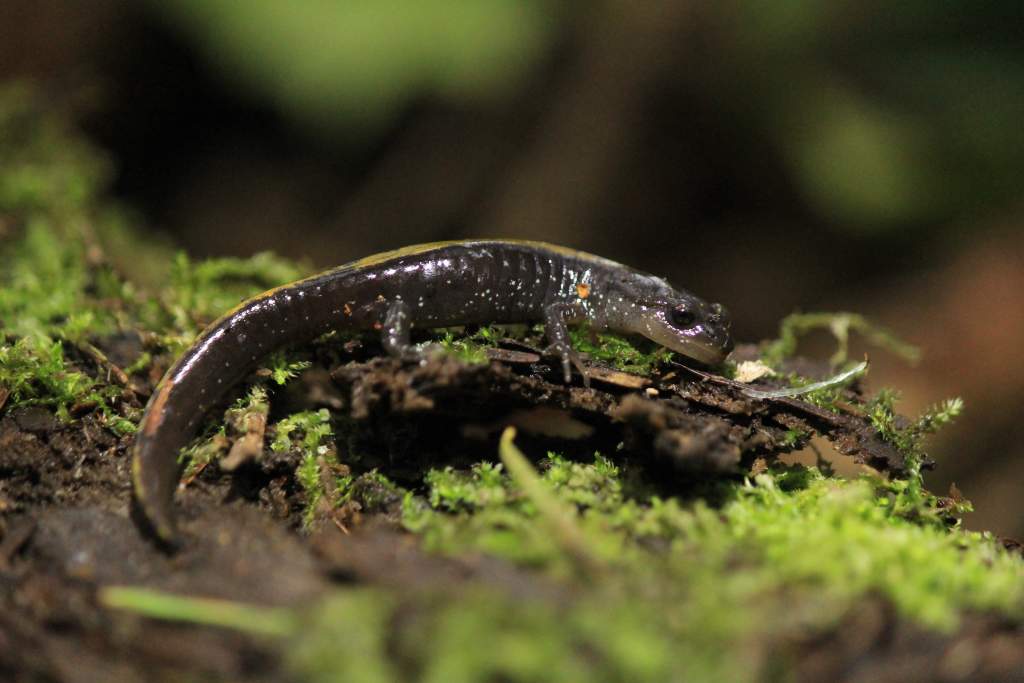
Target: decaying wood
(692, 420)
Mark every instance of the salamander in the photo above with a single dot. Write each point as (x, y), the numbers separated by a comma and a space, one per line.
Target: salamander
(431, 285)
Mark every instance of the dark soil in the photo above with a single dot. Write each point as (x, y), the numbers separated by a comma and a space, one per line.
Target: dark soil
(65, 529)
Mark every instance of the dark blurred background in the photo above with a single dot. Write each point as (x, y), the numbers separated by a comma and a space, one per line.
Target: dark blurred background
(860, 155)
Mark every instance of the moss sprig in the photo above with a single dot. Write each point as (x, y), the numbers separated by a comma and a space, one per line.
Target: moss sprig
(839, 325)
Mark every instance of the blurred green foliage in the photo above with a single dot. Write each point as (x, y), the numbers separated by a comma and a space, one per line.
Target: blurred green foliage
(886, 114)
(45, 170)
(355, 63)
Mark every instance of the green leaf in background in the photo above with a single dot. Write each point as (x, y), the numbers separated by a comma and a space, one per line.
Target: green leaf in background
(353, 64)
(859, 161)
(887, 115)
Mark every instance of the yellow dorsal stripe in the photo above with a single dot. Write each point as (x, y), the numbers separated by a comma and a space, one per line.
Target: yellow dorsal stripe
(413, 250)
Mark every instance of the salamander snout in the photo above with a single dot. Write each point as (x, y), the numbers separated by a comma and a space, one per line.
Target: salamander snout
(719, 319)
(717, 315)
(717, 327)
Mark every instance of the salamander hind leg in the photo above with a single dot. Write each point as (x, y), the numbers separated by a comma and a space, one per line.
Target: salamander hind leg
(557, 332)
(395, 332)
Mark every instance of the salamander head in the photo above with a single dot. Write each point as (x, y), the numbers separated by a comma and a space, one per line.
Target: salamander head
(693, 328)
(687, 325)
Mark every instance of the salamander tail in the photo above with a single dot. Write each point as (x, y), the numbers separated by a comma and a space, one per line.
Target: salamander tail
(152, 507)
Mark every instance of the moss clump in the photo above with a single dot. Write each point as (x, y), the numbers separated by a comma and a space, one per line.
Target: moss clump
(282, 367)
(246, 418)
(454, 490)
(908, 437)
(35, 371)
(46, 354)
(870, 536)
(309, 433)
(371, 491)
(680, 591)
(472, 349)
(639, 357)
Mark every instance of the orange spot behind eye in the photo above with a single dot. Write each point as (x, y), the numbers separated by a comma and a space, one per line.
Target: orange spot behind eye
(347, 309)
(378, 326)
(583, 290)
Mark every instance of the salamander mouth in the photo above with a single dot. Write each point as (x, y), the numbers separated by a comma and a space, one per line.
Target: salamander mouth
(705, 353)
(710, 346)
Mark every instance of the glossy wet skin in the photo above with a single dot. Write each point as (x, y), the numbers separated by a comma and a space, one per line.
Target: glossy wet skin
(434, 285)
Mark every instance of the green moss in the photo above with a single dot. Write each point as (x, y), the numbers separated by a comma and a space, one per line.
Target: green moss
(60, 299)
(283, 367)
(839, 325)
(357, 623)
(486, 636)
(470, 349)
(793, 438)
(202, 451)
(213, 446)
(46, 357)
(43, 286)
(327, 484)
(455, 490)
(908, 437)
(310, 433)
(683, 591)
(868, 535)
(59, 296)
(481, 634)
(35, 371)
(255, 401)
(636, 356)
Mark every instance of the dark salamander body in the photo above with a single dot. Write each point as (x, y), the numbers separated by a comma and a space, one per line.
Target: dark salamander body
(431, 285)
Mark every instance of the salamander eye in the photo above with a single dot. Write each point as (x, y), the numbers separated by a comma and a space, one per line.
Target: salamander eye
(682, 318)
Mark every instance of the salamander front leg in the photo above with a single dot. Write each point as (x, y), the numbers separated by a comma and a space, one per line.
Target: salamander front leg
(555, 316)
(395, 332)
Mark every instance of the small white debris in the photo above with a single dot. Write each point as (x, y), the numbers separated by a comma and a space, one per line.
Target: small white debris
(750, 370)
